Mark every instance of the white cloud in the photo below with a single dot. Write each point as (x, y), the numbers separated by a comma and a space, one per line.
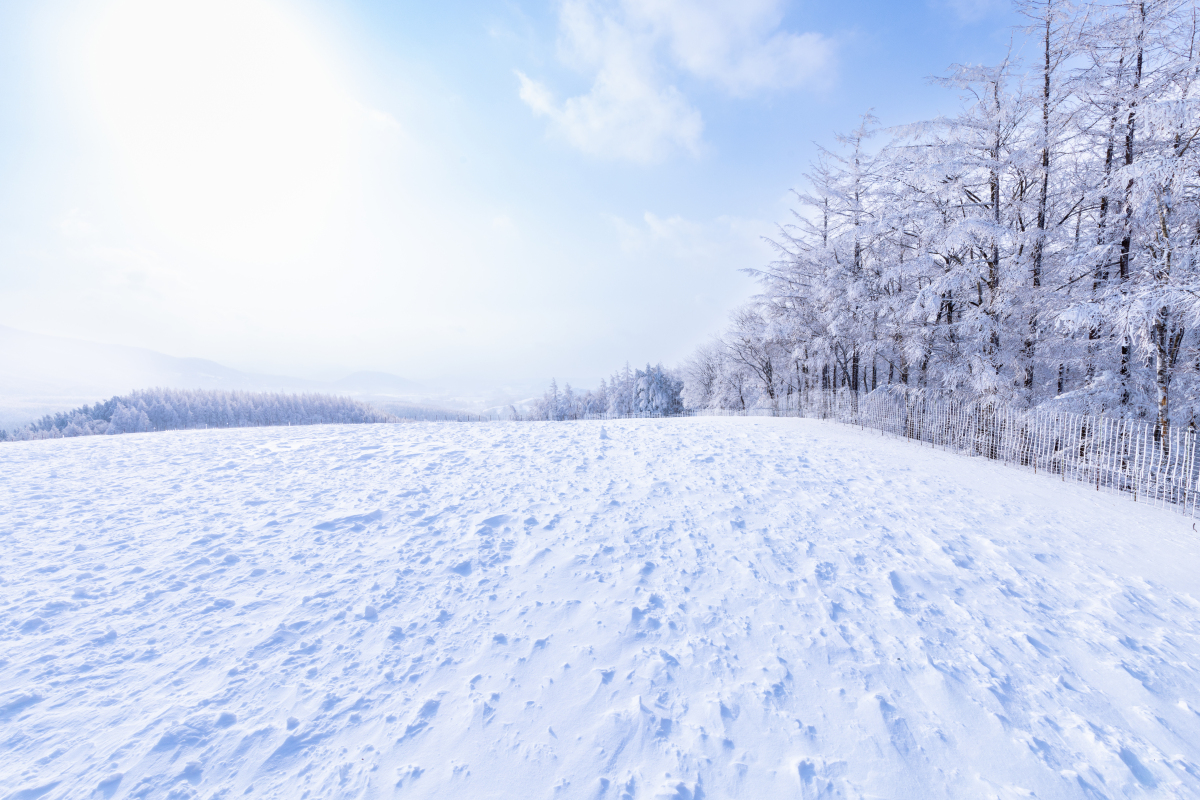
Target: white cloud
(631, 48)
(623, 116)
(628, 114)
(674, 236)
(736, 45)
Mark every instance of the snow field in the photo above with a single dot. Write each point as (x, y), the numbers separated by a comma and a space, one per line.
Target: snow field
(682, 608)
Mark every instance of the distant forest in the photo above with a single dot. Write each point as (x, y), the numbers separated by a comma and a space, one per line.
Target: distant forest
(183, 409)
(629, 392)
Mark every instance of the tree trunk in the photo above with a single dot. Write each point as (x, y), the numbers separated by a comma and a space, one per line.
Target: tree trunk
(1127, 239)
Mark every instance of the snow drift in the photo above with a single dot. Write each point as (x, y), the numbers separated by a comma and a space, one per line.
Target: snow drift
(646, 608)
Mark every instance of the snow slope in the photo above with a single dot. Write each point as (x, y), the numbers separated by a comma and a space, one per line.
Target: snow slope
(679, 608)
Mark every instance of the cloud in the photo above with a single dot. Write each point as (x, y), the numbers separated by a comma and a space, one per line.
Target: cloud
(622, 117)
(673, 236)
(736, 46)
(632, 48)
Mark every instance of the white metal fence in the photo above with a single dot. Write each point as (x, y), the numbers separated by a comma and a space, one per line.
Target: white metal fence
(1123, 456)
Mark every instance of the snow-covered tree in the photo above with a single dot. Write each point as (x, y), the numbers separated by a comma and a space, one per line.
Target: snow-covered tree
(174, 409)
(1039, 244)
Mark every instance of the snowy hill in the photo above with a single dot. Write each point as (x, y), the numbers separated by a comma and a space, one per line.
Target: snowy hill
(32, 363)
(649, 608)
(48, 374)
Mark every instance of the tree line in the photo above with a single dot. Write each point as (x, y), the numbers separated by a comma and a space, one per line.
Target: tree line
(655, 391)
(1037, 246)
(182, 409)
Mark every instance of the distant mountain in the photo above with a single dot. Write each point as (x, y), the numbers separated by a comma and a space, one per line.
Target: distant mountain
(46, 374)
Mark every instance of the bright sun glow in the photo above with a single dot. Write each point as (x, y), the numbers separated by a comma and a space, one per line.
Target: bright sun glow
(228, 118)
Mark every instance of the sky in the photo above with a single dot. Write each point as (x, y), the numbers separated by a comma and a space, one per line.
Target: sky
(468, 194)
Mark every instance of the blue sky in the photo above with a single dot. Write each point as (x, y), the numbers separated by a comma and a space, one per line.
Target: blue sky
(471, 194)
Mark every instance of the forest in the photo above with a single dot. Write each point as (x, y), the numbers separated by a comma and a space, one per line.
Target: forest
(655, 391)
(181, 409)
(1038, 246)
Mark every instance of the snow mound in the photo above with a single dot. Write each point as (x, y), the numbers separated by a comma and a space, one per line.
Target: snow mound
(678, 608)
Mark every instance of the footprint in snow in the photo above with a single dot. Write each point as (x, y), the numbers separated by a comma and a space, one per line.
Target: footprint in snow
(826, 572)
(217, 605)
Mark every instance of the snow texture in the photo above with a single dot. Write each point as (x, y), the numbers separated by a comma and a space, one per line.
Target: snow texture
(676, 608)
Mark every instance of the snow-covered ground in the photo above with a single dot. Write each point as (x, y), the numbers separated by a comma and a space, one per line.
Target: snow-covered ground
(684, 608)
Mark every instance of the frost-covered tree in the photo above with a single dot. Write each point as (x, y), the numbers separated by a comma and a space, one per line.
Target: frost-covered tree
(654, 391)
(1039, 245)
(174, 409)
